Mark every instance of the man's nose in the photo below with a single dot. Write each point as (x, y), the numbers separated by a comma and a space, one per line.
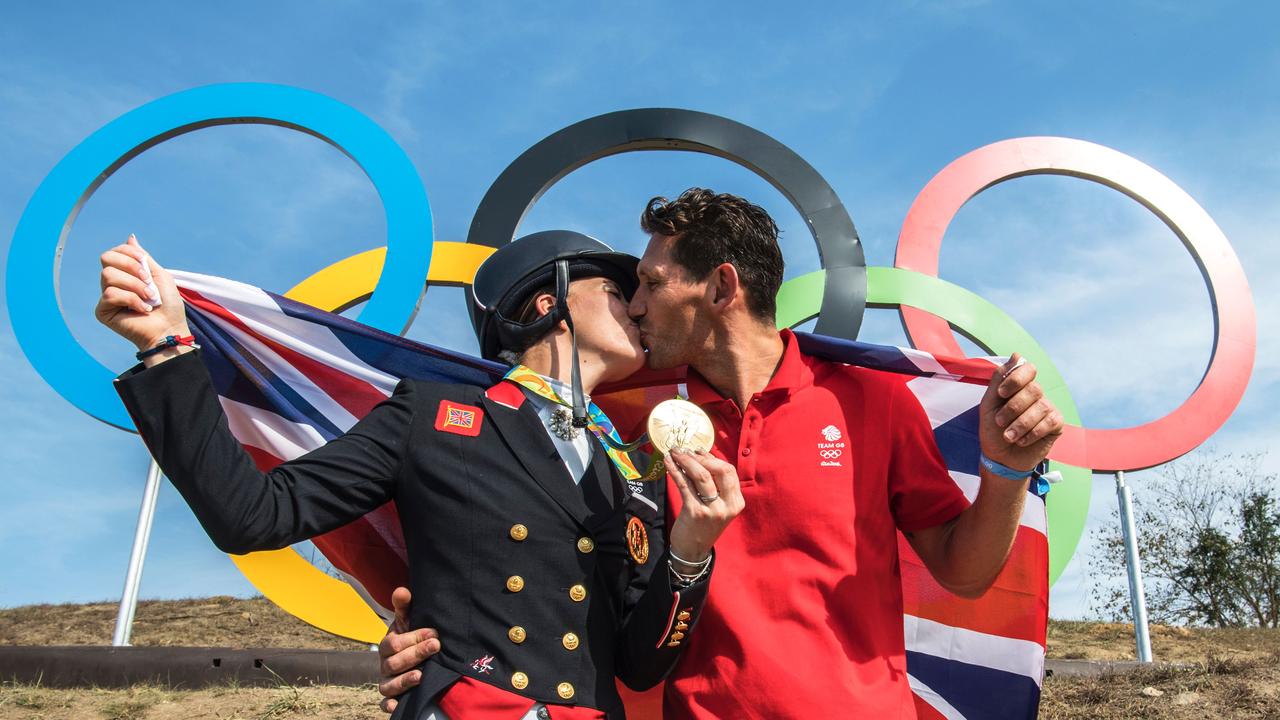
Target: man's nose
(636, 307)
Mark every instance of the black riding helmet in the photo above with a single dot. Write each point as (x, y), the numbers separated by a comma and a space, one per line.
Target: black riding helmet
(505, 280)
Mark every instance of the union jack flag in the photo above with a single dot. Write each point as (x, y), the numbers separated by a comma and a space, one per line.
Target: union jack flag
(461, 418)
(291, 378)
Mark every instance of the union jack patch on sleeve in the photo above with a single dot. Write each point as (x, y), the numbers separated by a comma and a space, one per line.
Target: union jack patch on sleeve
(459, 419)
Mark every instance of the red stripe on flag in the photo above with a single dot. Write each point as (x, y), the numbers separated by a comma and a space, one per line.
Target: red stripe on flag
(370, 548)
(925, 711)
(1015, 607)
(975, 371)
(264, 459)
(362, 551)
(355, 396)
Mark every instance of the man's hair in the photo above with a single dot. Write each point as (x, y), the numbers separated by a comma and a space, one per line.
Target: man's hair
(711, 229)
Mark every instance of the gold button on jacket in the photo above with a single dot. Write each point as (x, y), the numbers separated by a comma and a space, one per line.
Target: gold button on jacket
(519, 532)
(586, 545)
(684, 615)
(564, 690)
(515, 583)
(570, 641)
(519, 681)
(516, 634)
(577, 593)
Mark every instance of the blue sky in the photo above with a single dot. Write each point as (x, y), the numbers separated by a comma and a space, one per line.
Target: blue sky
(878, 97)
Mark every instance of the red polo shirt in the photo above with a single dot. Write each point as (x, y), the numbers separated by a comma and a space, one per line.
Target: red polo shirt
(804, 616)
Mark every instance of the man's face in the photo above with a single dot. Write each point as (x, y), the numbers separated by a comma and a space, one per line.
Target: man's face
(668, 307)
(603, 327)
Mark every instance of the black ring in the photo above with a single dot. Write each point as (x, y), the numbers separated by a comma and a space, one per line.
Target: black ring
(504, 206)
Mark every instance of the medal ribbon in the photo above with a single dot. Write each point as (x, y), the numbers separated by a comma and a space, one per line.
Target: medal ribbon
(598, 423)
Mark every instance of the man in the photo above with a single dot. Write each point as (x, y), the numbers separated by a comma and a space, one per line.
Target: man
(526, 543)
(804, 619)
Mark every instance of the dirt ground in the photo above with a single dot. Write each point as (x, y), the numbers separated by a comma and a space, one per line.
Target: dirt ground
(1223, 674)
(152, 703)
(1226, 674)
(206, 622)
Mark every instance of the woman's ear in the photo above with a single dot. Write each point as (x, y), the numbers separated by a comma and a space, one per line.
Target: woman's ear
(544, 303)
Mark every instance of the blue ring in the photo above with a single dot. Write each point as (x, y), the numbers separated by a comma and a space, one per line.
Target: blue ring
(32, 292)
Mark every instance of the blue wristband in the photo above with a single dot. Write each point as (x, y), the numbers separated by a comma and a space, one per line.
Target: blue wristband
(1004, 471)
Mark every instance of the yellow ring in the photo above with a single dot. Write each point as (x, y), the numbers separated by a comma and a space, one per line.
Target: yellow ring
(283, 576)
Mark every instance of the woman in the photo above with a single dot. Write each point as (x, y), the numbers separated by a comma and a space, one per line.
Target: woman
(525, 540)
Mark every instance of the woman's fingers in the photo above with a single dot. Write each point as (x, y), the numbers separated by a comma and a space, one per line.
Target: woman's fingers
(722, 473)
(699, 479)
(125, 259)
(116, 298)
(115, 277)
(677, 474)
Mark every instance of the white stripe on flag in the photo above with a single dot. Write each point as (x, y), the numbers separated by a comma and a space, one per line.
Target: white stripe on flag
(261, 313)
(1033, 515)
(943, 400)
(1021, 657)
(268, 431)
(935, 700)
(928, 363)
(297, 380)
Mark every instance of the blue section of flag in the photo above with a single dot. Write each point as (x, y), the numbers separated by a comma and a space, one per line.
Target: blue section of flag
(975, 690)
(957, 440)
(395, 355)
(240, 376)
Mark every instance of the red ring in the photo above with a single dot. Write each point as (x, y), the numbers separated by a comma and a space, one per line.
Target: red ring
(1235, 334)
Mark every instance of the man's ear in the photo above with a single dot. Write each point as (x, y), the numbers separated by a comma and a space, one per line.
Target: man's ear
(724, 286)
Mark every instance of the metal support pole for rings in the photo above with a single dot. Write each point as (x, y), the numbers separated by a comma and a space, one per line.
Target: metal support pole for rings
(1133, 564)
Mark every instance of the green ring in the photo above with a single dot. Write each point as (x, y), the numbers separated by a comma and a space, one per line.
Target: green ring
(800, 299)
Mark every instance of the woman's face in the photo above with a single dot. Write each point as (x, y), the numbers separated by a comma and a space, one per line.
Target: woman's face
(604, 329)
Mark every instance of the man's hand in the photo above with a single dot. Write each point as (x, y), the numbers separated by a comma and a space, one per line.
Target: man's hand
(402, 651)
(1018, 423)
(123, 306)
(711, 500)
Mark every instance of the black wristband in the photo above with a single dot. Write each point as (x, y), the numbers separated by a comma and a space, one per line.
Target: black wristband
(168, 342)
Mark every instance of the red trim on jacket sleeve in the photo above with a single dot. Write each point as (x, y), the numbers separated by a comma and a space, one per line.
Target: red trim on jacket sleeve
(675, 606)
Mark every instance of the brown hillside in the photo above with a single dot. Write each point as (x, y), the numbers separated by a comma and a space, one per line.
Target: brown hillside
(1224, 674)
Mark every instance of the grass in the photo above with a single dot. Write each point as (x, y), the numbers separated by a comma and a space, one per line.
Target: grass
(210, 622)
(1224, 688)
(1225, 674)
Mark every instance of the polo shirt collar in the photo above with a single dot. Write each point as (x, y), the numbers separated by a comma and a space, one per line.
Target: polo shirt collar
(792, 374)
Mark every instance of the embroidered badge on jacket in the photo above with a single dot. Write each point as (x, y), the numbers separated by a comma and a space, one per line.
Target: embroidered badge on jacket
(638, 541)
(459, 419)
(483, 665)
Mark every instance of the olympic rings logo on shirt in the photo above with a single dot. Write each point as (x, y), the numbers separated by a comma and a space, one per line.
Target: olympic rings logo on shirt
(830, 454)
(392, 278)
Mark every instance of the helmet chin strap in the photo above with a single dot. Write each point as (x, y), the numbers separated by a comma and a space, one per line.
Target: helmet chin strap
(562, 301)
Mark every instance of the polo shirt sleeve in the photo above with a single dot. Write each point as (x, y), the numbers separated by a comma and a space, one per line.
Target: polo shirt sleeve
(921, 492)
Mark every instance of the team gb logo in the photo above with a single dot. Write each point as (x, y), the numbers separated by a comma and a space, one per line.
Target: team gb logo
(829, 452)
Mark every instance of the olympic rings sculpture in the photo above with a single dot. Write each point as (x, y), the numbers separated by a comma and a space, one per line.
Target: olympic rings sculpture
(392, 278)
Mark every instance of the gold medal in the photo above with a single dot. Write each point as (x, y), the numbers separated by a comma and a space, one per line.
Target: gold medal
(679, 423)
(638, 541)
